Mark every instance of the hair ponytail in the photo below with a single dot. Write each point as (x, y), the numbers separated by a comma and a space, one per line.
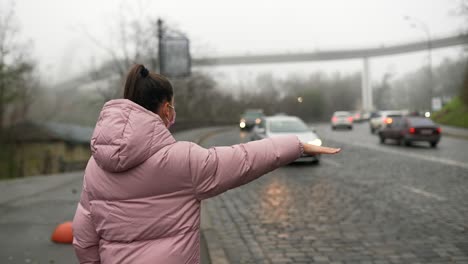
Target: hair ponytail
(147, 89)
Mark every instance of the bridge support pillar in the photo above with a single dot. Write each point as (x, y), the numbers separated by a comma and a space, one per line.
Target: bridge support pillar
(366, 88)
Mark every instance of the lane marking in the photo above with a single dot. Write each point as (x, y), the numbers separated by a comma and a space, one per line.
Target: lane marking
(331, 162)
(462, 165)
(424, 193)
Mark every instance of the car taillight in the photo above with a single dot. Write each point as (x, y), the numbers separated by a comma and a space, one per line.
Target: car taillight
(412, 130)
(388, 120)
(350, 119)
(439, 130)
(334, 119)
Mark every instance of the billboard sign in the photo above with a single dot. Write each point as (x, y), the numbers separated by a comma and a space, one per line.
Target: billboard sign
(175, 57)
(436, 103)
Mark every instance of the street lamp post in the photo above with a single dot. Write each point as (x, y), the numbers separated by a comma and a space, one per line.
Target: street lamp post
(416, 23)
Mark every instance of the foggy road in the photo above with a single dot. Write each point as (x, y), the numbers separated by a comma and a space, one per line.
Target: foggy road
(372, 203)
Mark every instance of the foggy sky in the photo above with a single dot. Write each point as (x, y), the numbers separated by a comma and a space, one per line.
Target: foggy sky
(236, 27)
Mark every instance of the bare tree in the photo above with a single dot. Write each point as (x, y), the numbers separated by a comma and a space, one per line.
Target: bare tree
(463, 10)
(17, 80)
(133, 39)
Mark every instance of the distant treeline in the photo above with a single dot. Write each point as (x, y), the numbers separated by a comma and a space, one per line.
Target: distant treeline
(200, 100)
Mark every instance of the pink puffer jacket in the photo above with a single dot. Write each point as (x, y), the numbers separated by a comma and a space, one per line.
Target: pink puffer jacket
(142, 189)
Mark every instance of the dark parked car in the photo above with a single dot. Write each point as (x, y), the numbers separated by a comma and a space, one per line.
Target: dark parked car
(409, 129)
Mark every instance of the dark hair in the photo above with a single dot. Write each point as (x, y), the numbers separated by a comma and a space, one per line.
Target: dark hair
(146, 88)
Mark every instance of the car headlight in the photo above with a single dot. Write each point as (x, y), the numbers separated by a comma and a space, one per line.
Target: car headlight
(242, 124)
(316, 142)
(258, 121)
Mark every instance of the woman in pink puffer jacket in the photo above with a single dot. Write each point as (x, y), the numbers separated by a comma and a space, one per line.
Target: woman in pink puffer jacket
(142, 189)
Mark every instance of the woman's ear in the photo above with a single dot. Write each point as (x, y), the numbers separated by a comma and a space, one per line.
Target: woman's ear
(167, 109)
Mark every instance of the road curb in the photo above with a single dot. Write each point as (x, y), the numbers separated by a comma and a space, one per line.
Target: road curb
(216, 253)
(454, 135)
(9, 191)
(210, 236)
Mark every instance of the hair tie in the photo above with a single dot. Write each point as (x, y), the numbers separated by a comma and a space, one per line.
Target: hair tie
(144, 72)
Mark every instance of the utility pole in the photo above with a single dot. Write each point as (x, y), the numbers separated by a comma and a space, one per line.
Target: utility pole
(3, 76)
(416, 23)
(160, 44)
(429, 69)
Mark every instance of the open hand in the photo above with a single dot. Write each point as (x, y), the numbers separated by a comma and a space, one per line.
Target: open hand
(313, 149)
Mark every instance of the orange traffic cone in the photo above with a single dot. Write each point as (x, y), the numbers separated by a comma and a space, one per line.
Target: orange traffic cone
(63, 233)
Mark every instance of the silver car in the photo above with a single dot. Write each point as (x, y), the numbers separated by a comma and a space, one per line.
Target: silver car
(380, 119)
(288, 125)
(342, 119)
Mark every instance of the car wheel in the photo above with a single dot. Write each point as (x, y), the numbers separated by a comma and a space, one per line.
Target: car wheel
(434, 144)
(407, 143)
(372, 130)
(316, 161)
(350, 127)
(333, 128)
(382, 139)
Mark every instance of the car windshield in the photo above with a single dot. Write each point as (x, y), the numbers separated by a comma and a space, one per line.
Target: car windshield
(418, 121)
(253, 115)
(286, 126)
(342, 114)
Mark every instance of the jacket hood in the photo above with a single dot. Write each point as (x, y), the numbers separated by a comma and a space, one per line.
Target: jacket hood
(126, 135)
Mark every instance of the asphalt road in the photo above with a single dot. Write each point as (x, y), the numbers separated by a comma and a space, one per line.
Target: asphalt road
(371, 203)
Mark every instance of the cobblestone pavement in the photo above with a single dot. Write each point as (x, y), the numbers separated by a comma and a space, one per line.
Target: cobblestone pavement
(365, 205)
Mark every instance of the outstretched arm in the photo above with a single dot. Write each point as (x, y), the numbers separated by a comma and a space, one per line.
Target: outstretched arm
(219, 169)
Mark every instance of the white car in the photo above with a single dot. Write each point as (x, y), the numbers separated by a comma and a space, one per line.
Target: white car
(288, 125)
(342, 119)
(379, 120)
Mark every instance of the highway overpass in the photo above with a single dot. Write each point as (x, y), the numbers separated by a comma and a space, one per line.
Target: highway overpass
(327, 55)
(333, 54)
